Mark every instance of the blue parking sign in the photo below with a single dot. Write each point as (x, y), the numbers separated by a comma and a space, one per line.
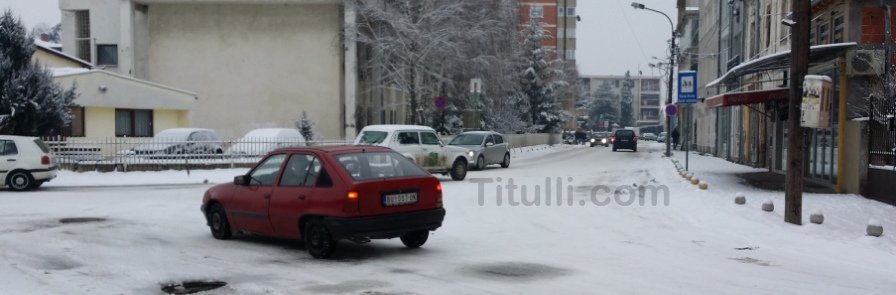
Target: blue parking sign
(687, 87)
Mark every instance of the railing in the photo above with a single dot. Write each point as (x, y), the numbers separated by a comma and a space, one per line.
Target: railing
(126, 154)
(881, 132)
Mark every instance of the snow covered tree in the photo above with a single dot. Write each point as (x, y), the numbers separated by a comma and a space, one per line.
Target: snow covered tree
(626, 112)
(542, 76)
(305, 126)
(31, 103)
(54, 33)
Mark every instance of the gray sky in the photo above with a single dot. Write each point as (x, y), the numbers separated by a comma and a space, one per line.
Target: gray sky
(612, 36)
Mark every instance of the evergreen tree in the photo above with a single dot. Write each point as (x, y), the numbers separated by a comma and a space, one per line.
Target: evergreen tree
(31, 103)
(541, 78)
(305, 126)
(626, 112)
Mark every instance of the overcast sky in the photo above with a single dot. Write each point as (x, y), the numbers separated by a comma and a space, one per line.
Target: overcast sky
(612, 36)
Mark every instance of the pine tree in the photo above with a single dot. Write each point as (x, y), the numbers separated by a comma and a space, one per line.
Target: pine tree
(626, 112)
(31, 103)
(305, 126)
(541, 78)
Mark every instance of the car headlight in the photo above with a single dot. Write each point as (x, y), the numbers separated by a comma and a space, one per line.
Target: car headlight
(470, 153)
(592, 140)
(603, 140)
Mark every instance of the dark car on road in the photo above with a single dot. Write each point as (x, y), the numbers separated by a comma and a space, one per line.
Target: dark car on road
(624, 139)
(323, 194)
(600, 138)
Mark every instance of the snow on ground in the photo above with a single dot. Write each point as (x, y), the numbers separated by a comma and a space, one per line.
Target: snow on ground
(700, 243)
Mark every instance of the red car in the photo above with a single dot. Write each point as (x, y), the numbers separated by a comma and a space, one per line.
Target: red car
(324, 194)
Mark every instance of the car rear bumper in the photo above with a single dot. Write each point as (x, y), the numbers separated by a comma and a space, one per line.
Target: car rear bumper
(386, 226)
(44, 174)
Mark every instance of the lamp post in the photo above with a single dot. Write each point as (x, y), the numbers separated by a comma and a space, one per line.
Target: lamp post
(637, 5)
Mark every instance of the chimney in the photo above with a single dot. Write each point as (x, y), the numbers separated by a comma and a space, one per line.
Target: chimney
(45, 37)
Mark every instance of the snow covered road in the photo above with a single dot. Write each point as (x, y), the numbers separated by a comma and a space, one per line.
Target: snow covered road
(700, 243)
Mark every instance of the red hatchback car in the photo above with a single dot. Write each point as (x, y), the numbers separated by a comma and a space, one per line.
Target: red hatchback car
(324, 194)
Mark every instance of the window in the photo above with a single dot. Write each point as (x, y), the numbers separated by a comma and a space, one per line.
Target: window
(408, 138)
(838, 28)
(560, 11)
(430, 138)
(823, 34)
(560, 33)
(570, 33)
(107, 55)
(296, 171)
(489, 139)
(8, 148)
(372, 137)
(76, 127)
(82, 34)
(571, 11)
(134, 123)
(768, 25)
(570, 54)
(265, 173)
(364, 166)
(536, 11)
(498, 139)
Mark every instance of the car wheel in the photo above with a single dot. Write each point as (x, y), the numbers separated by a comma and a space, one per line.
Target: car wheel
(614, 148)
(217, 222)
(415, 239)
(20, 181)
(506, 162)
(635, 149)
(317, 239)
(480, 163)
(459, 170)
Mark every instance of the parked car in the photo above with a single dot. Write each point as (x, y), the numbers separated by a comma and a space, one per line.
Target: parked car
(25, 162)
(260, 142)
(661, 137)
(488, 148)
(422, 145)
(600, 138)
(182, 141)
(648, 136)
(624, 139)
(328, 193)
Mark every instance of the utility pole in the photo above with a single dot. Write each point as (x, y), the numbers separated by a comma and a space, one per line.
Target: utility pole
(799, 54)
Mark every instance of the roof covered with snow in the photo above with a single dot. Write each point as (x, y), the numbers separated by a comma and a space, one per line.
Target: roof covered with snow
(818, 53)
(392, 128)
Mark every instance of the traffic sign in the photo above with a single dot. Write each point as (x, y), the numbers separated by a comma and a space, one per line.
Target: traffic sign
(687, 87)
(671, 110)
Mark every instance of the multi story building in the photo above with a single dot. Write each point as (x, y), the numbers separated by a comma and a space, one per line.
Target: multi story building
(559, 18)
(645, 104)
(252, 63)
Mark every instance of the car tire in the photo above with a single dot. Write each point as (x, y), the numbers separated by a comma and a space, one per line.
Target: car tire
(635, 149)
(506, 162)
(614, 148)
(480, 163)
(415, 239)
(20, 181)
(459, 170)
(318, 240)
(218, 223)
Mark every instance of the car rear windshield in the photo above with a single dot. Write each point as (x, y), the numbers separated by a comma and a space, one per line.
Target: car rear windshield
(364, 166)
(625, 133)
(467, 139)
(372, 137)
(43, 147)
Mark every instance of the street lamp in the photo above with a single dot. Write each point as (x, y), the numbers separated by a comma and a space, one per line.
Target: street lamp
(637, 5)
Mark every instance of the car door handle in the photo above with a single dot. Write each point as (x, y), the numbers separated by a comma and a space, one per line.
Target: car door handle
(10, 160)
(302, 197)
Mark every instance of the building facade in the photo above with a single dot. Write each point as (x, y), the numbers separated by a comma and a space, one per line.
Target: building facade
(252, 63)
(645, 104)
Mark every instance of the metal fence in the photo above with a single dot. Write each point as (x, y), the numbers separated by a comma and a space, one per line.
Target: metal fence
(135, 153)
(881, 132)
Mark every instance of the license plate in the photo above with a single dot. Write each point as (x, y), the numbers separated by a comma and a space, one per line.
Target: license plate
(400, 199)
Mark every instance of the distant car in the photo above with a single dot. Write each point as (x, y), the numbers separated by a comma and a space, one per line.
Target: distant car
(600, 138)
(661, 137)
(182, 141)
(25, 162)
(624, 139)
(422, 145)
(260, 142)
(488, 148)
(648, 136)
(327, 193)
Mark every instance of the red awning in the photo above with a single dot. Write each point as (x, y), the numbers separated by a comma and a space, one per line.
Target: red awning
(748, 97)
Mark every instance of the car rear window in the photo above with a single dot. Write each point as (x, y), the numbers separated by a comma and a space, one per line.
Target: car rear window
(626, 133)
(372, 137)
(43, 147)
(364, 166)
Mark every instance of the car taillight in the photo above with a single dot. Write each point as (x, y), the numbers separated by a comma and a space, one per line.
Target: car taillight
(439, 195)
(45, 160)
(635, 139)
(613, 139)
(351, 202)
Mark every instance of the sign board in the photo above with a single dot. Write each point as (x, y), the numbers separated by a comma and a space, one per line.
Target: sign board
(476, 85)
(687, 87)
(440, 103)
(671, 110)
(816, 106)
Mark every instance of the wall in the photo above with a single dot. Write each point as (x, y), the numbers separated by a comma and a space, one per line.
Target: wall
(251, 64)
(99, 122)
(855, 157)
(166, 119)
(47, 59)
(105, 21)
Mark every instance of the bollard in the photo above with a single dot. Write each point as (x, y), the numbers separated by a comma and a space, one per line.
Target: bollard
(768, 206)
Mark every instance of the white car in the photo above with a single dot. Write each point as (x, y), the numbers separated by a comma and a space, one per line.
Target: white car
(260, 142)
(182, 141)
(422, 145)
(25, 162)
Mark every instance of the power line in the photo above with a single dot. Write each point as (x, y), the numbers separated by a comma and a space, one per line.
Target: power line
(637, 41)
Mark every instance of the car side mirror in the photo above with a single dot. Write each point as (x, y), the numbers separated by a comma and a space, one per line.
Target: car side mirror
(488, 144)
(241, 180)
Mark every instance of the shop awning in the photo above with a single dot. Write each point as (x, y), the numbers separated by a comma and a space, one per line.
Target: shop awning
(780, 60)
(748, 97)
